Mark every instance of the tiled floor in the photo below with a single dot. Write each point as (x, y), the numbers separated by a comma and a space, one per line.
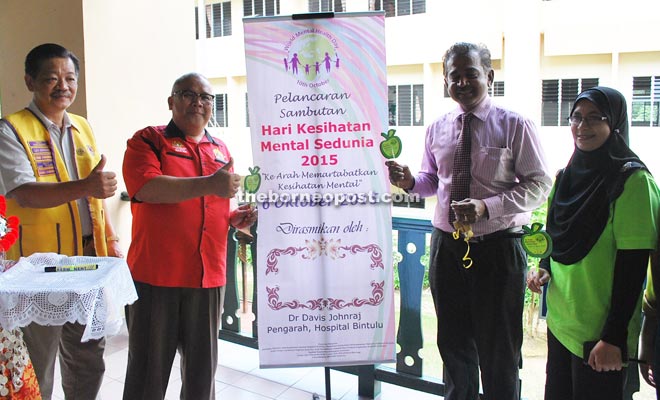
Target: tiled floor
(239, 378)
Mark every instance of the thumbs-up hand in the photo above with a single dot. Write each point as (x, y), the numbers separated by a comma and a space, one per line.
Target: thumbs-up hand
(226, 183)
(101, 184)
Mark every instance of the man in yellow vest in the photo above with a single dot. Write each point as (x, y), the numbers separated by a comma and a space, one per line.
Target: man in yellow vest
(54, 180)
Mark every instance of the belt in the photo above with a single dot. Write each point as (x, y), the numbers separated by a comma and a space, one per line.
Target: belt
(510, 233)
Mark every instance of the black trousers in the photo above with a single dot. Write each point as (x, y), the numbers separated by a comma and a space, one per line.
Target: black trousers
(569, 378)
(479, 314)
(161, 322)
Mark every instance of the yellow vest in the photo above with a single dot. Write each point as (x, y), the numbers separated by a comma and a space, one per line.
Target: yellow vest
(55, 229)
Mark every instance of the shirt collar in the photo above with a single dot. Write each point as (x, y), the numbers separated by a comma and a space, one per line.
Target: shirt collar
(481, 111)
(67, 123)
(173, 131)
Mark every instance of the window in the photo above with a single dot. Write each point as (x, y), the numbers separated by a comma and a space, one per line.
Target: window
(557, 97)
(261, 7)
(219, 119)
(497, 90)
(405, 104)
(646, 101)
(406, 201)
(218, 19)
(327, 5)
(395, 8)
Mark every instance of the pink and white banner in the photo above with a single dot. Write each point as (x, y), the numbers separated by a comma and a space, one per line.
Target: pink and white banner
(317, 95)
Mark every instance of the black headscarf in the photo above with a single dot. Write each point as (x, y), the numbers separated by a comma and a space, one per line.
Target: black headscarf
(591, 181)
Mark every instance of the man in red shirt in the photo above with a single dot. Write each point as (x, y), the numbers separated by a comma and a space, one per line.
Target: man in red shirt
(180, 181)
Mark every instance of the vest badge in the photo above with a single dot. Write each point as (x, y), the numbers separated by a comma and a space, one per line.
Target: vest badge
(179, 147)
(219, 156)
(43, 157)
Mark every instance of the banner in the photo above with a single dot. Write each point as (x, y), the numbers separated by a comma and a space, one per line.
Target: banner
(317, 99)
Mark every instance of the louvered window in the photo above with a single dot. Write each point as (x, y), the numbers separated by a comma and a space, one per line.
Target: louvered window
(550, 103)
(218, 19)
(261, 7)
(646, 101)
(558, 96)
(327, 5)
(395, 8)
(496, 90)
(219, 119)
(406, 105)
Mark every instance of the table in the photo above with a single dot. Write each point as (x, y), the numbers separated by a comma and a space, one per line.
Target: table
(93, 298)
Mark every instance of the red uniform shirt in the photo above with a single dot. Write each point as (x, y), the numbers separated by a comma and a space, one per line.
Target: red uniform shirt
(182, 244)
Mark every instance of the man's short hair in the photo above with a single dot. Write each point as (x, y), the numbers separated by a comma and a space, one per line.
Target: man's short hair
(463, 49)
(44, 52)
(179, 83)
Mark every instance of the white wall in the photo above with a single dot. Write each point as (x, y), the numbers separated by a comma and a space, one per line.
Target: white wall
(134, 52)
(25, 24)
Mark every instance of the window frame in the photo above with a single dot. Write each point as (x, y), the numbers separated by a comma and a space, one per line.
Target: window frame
(409, 114)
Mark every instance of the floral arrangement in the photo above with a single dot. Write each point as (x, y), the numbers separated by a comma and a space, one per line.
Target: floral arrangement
(8, 227)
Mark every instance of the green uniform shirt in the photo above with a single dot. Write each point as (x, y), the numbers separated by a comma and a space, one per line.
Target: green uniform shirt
(579, 294)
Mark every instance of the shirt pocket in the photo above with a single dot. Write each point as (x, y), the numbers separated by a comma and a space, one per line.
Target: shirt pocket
(39, 238)
(495, 164)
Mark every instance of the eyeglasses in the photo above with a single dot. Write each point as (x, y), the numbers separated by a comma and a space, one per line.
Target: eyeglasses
(191, 96)
(575, 120)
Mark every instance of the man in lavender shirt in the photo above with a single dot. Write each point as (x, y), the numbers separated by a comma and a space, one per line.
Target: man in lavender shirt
(479, 309)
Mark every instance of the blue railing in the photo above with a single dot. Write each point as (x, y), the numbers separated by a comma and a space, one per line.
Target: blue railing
(407, 371)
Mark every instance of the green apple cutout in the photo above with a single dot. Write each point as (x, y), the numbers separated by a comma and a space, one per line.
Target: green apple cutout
(537, 243)
(252, 181)
(391, 146)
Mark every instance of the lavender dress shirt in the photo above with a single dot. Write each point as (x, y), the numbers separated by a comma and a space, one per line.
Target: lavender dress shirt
(509, 169)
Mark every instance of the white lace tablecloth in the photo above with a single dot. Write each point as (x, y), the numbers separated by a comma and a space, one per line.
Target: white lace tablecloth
(93, 298)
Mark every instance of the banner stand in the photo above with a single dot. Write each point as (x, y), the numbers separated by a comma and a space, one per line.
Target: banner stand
(328, 395)
(320, 184)
(328, 386)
